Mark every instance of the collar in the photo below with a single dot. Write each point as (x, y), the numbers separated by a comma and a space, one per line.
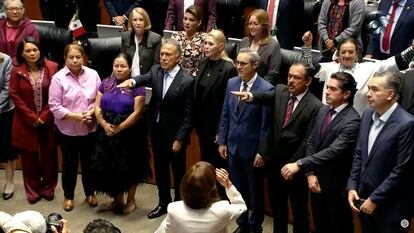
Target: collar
(340, 107)
(251, 81)
(67, 71)
(349, 69)
(300, 96)
(386, 115)
(173, 72)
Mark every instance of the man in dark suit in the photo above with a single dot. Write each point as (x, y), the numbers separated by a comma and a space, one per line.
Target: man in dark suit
(175, 14)
(400, 34)
(287, 29)
(119, 10)
(293, 114)
(382, 170)
(170, 113)
(242, 126)
(328, 158)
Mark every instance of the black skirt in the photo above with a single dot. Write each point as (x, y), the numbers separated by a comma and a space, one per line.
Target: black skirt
(120, 161)
(7, 152)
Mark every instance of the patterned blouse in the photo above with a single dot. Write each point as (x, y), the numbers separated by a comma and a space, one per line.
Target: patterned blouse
(192, 50)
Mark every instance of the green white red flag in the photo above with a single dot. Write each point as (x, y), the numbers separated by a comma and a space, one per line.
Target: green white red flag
(76, 27)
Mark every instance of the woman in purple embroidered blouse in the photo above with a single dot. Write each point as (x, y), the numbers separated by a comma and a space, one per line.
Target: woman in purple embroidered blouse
(121, 156)
(72, 95)
(33, 128)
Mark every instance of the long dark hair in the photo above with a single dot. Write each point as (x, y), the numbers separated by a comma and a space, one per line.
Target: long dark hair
(21, 60)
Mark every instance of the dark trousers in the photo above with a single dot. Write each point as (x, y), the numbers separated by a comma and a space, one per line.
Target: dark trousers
(249, 181)
(374, 224)
(280, 190)
(163, 157)
(209, 153)
(331, 213)
(75, 148)
(39, 171)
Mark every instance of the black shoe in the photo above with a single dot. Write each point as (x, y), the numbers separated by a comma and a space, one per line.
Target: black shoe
(241, 229)
(158, 211)
(7, 196)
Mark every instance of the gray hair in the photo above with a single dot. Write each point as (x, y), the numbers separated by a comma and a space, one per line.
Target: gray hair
(254, 56)
(392, 82)
(33, 220)
(172, 42)
(8, 2)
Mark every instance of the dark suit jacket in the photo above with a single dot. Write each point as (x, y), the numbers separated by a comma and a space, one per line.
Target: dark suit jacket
(402, 35)
(207, 112)
(243, 131)
(287, 144)
(289, 23)
(121, 7)
(270, 59)
(149, 49)
(386, 174)
(176, 108)
(330, 157)
(175, 14)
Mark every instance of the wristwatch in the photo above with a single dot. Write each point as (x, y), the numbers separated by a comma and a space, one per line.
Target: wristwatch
(299, 162)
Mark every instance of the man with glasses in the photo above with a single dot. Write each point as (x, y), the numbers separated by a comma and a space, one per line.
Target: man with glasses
(242, 126)
(292, 118)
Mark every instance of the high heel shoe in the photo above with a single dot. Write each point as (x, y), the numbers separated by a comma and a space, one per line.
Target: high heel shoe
(7, 196)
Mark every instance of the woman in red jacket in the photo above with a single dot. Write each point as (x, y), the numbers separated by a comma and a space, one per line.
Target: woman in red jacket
(33, 132)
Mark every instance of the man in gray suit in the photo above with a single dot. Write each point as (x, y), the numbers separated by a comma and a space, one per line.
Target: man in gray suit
(328, 159)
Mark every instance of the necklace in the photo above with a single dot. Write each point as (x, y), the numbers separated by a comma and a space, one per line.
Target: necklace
(212, 68)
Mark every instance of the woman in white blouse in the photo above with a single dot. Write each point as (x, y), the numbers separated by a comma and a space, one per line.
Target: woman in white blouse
(201, 210)
(347, 53)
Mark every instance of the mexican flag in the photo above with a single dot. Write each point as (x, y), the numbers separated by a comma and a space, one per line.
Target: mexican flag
(75, 26)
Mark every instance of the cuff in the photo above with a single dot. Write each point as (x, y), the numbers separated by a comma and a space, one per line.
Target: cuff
(407, 55)
(133, 82)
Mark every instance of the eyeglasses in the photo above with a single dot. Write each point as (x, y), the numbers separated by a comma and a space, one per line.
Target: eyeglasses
(13, 9)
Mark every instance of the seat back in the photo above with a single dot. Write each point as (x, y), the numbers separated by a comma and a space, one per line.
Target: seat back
(230, 17)
(101, 53)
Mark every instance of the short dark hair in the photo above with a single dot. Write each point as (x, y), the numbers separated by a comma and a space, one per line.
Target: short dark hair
(21, 60)
(126, 57)
(198, 186)
(347, 83)
(309, 72)
(101, 226)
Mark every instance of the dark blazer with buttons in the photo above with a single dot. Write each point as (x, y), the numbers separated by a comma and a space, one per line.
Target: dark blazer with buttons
(287, 144)
(330, 157)
(175, 14)
(386, 174)
(176, 108)
(121, 7)
(149, 49)
(402, 35)
(207, 112)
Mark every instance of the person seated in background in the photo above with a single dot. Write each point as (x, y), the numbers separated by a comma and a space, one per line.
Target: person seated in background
(147, 53)
(347, 53)
(33, 131)
(174, 17)
(191, 39)
(101, 226)
(119, 10)
(338, 20)
(15, 27)
(260, 40)
(201, 210)
(121, 146)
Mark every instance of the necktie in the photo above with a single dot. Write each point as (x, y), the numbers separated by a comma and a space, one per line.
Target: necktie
(165, 84)
(239, 105)
(270, 12)
(387, 34)
(289, 109)
(326, 121)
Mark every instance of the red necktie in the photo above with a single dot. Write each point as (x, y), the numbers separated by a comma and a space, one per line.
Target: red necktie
(270, 11)
(326, 121)
(387, 34)
(289, 110)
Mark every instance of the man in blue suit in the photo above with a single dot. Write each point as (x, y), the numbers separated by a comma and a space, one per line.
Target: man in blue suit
(382, 170)
(242, 126)
(400, 14)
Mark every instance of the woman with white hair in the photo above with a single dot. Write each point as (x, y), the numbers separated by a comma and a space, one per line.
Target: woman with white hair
(15, 27)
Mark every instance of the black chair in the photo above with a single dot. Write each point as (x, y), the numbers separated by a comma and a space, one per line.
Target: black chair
(371, 14)
(311, 11)
(101, 53)
(157, 11)
(230, 17)
(407, 91)
(53, 41)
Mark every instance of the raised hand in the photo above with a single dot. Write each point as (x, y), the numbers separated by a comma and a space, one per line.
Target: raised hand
(307, 39)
